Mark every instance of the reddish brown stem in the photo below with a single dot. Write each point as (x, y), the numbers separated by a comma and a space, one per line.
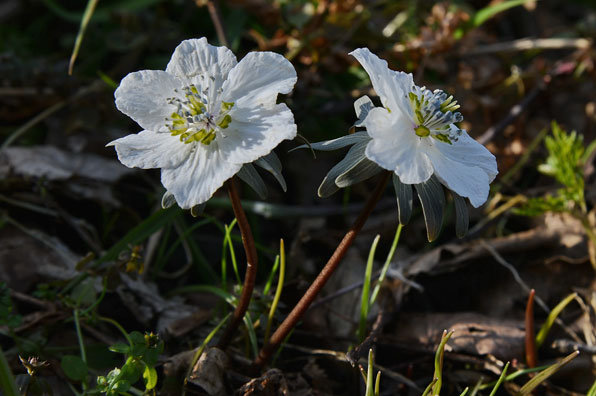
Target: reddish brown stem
(288, 324)
(251, 266)
(530, 337)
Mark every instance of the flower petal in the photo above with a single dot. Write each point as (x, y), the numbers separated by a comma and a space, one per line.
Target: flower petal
(466, 179)
(196, 57)
(258, 78)
(468, 151)
(391, 86)
(148, 149)
(395, 147)
(254, 132)
(143, 97)
(195, 180)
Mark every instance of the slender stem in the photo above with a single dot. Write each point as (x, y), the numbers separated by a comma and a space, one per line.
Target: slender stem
(280, 285)
(81, 342)
(314, 289)
(251, 266)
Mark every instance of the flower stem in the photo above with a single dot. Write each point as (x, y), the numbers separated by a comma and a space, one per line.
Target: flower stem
(251, 266)
(530, 335)
(314, 289)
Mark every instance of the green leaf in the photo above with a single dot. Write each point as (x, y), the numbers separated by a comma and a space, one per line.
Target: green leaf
(150, 377)
(74, 367)
(487, 13)
(550, 320)
(120, 347)
(121, 386)
(91, 4)
(84, 293)
(150, 357)
(137, 337)
(150, 225)
(543, 375)
(365, 297)
(501, 379)
(132, 370)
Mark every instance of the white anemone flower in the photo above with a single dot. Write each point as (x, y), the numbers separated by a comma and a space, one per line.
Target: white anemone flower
(413, 135)
(206, 118)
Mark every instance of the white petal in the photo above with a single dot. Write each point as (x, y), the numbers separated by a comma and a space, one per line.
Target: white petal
(391, 86)
(148, 149)
(468, 181)
(196, 57)
(195, 180)
(395, 146)
(468, 151)
(253, 133)
(258, 78)
(465, 167)
(143, 97)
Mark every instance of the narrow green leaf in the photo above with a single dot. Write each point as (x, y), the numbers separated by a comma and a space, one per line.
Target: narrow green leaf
(84, 23)
(550, 320)
(438, 375)
(120, 347)
(487, 13)
(543, 375)
(592, 391)
(365, 297)
(140, 232)
(7, 380)
(465, 392)
(369, 375)
(500, 380)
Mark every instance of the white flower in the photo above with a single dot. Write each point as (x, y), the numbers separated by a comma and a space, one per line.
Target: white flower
(204, 117)
(414, 134)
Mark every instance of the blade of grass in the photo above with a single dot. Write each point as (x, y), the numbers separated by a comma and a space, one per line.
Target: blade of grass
(269, 282)
(230, 245)
(550, 320)
(487, 13)
(224, 295)
(465, 392)
(592, 391)
(91, 4)
(199, 351)
(7, 382)
(280, 285)
(543, 375)
(390, 255)
(436, 389)
(500, 380)
(365, 298)
(252, 335)
(369, 372)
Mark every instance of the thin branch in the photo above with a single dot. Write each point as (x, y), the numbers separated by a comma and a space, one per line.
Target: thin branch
(251, 266)
(292, 319)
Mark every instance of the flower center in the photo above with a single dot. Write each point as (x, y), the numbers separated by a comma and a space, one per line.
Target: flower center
(434, 113)
(194, 120)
